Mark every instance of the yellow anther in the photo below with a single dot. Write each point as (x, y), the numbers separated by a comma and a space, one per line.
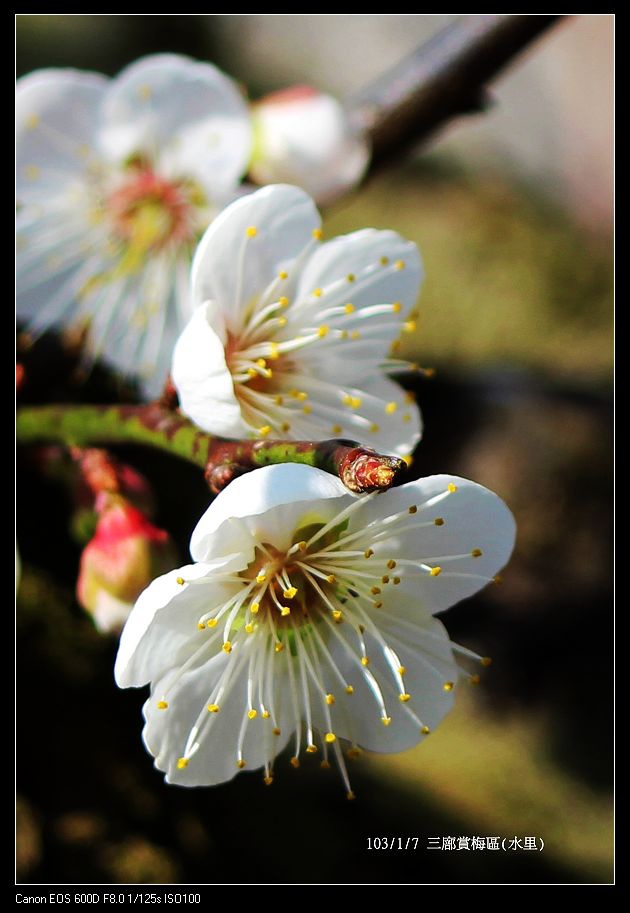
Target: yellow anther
(240, 763)
(399, 264)
(252, 231)
(404, 698)
(274, 354)
(260, 578)
(385, 578)
(374, 428)
(375, 590)
(294, 762)
(275, 730)
(402, 670)
(351, 277)
(435, 571)
(390, 408)
(425, 730)
(378, 605)
(278, 399)
(407, 458)
(350, 796)
(290, 593)
(475, 679)
(429, 372)
(347, 400)
(282, 321)
(249, 628)
(337, 616)
(32, 121)
(261, 362)
(368, 552)
(302, 545)
(317, 292)
(355, 335)
(323, 330)
(330, 737)
(325, 765)
(452, 488)
(384, 261)
(254, 608)
(391, 564)
(498, 579)
(211, 623)
(283, 274)
(349, 689)
(354, 753)
(396, 307)
(279, 647)
(476, 553)
(409, 326)
(307, 409)
(311, 749)
(386, 720)
(162, 705)
(413, 509)
(252, 372)
(283, 301)
(182, 763)
(336, 429)
(395, 346)
(214, 708)
(395, 580)
(252, 714)
(285, 610)
(448, 686)
(265, 714)
(264, 431)
(365, 661)
(439, 521)
(348, 308)
(268, 780)
(330, 699)
(486, 661)
(318, 234)
(227, 647)
(201, 626)
(180, 580)
(343, 334)
(356, 402)
(330, 578)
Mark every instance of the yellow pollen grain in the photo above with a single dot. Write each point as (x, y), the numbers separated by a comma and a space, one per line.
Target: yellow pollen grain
(240, 763)
(283, 274)
(439, 521)
(348, 308)
(279, 647)
(402, 670)
(261, 362)
(386, 720)
(351, 277)
(385, 578)
(337, 615)
(285, 610)
(374, 428)
(252, 372)
(476, 553)
(365, 661)
(311, 749)
(375, 590)
(261, 578)
(290, 593)
(214, 708)
(408, 459)
(336, 429)
(252, 714)
(182, 763)
(330, 578)
(390, 408)
(384, 261)
(409, 326)
(395, 580)
(201, 626)
(249, 628)
(452, 488)
(486, 661)
(251, 232)
(318, 234)
(349, 689)
(276, 731)
(323, 330)
(330, 699)
(162, 705)
(264, 431)
(368, 553)
(396, 307)
(413, 509)
(268, 781)
(180, 580)
(404, 698)
(399, 264)
(265, 714)
(274, 354)
(425, 730)
(498, 579)
(294, 762)
(283, 301)
(448, 686)
(211, 623)
(317, 292)
(391, 564)
(227, 647)
(435, 571)
(330, 737)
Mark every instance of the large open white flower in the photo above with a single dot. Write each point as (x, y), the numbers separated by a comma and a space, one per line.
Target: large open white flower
(309, 617)
(116, 180)
(291, 337)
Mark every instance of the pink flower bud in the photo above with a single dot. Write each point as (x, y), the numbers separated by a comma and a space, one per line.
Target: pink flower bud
(126, 553)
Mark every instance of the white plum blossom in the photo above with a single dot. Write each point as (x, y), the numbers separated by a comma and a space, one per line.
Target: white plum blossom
(305, 137)
(116, 180)
(308, 619)
(290, 337)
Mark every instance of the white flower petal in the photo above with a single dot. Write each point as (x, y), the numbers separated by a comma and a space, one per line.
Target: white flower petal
(189, 114)
(202, 378)
(361, 256)
(305, 138)
(56, 118)
(247, 245)
(214, 761)
(269, 502)
(159, 629)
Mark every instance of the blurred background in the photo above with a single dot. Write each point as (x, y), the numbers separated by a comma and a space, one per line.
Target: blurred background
(512, 211)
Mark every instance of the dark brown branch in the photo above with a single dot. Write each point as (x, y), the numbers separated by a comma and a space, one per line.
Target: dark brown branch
(444, 78)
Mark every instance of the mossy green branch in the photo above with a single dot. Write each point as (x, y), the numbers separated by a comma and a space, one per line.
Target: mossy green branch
(154, 425)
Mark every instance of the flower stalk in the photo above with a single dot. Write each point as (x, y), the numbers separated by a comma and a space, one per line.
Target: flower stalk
(359, 468)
